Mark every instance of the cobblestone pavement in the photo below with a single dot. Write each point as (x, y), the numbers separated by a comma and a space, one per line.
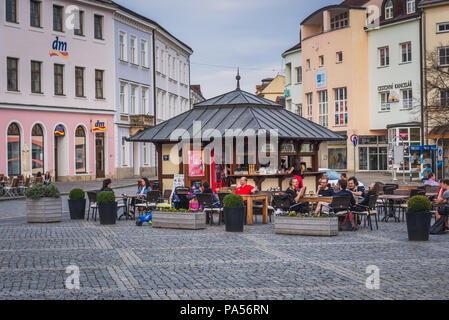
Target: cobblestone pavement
(129, 262)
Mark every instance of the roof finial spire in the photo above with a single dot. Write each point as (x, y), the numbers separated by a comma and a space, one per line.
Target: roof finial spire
(238, 78)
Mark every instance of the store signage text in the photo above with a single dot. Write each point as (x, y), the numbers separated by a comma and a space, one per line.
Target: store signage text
(59, 48)
(392, 86)
(321, 79)
(99, 126)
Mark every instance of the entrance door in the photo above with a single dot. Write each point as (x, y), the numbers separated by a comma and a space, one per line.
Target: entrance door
(99, 152)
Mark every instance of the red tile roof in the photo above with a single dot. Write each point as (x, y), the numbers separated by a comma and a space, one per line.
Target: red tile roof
(354, 3)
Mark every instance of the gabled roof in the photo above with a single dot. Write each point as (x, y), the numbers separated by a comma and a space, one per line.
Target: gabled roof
(237, 97)
(294, 48)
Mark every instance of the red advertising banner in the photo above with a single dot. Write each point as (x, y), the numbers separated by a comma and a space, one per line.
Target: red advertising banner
(196, 168)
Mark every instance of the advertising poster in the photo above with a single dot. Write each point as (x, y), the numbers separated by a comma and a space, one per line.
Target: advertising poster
(196, 168)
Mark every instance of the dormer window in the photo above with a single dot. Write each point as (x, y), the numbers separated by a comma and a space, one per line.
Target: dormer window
(411, 6)
(389, 9)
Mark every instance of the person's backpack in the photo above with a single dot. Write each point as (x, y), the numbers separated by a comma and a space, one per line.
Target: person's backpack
(438, 227)
(347, 223)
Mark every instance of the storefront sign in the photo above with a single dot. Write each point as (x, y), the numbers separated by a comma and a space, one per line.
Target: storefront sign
(287, 92)
(166, 157)
(59, 131)
(394, 97)
(196, 168)
(403, 135)
(392, 86)
(99, 126)
(321, 79)
(59, 48)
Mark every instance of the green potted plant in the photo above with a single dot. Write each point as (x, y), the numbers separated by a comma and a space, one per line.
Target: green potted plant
(43, 204)
(77, 204)
(234, 212)
(418, 218)
(107, 207)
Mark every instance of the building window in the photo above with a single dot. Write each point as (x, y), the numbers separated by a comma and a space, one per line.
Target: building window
(11, 11)
(411, 6)
(443, 27)
(384, 101)
(337, 155)
(36, 77)
(407, 99)
(373, 153)
(37, 149)
(341, 107)
(308, 64)
(339, 57)
(79, 81)
(133, 50)
(162, 67)
(79, 23)
(144, 53)
(443, 56)
(57, 18)
(80, 150)
(99, 84)
(340, 21)
(299, 109)
(125, 152)
(309, 98)
(323, 108)
(123, 97)
(98, 27)
(145, 104)
(389, 9)
(14, 150)
(384, 57)
(12, 74)
(321, 61)
(122, 46)
(145, 154)
(406, 52)
(59, 79)
(444, 98)
(35, 14)
(133, 99)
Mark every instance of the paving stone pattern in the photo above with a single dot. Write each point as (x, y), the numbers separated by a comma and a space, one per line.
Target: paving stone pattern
(129, 262)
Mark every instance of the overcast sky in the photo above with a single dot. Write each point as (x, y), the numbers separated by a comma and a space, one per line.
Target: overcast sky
(224, 34)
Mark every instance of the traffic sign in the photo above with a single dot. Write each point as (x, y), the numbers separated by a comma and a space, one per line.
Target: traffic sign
(355, 140)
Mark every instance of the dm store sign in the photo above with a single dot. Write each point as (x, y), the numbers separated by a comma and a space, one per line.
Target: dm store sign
(99, 126)
(59, 48)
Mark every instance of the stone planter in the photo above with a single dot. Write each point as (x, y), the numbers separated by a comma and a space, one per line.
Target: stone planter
(179, 220)
(44, 210)
(306, 226)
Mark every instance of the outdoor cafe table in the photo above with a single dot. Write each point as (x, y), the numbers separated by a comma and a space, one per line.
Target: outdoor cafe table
(249, 206)
(391, 198)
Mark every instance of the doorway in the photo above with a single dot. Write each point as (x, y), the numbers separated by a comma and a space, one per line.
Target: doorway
(99, 155)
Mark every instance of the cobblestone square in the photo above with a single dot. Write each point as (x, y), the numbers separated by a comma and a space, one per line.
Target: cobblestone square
(129, 262)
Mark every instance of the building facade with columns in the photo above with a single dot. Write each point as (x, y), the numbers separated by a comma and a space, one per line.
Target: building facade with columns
(56, 105)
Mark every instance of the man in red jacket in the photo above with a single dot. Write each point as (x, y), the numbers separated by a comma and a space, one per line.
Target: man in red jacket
(245, 188)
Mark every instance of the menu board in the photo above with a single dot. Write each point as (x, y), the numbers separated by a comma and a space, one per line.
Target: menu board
(196, 167)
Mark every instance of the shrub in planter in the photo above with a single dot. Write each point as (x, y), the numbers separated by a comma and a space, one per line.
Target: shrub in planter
(77, 204)
(107, 207)
(234, 212)
(306, 224)
(418, 218)
(44, 203)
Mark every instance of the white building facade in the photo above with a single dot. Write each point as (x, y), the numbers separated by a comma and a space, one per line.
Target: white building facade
(293, 80)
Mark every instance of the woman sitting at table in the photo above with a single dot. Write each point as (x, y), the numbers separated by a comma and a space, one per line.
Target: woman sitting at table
(205, 189)
(107, 185)
(47, 178)
(141, 194)
(295, 195)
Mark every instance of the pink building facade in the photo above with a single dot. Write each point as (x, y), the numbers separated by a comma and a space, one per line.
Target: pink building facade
(56, 89)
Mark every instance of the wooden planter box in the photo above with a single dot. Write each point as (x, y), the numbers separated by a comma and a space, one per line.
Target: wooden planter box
(306, 226)
(44, 210)
(179, 220)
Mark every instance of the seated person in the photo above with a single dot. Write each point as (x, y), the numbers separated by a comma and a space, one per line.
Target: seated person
(353, 186)
(245, 188)
(294, 195)
(342, 185)
(143, 186)
(107, 185)
(205, 189)
(431, 180)
(443, 198)
(47, 178)
(363, 205)
(324, 191)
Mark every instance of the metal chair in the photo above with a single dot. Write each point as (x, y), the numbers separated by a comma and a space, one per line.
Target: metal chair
(206, 200)
(11, 188)
(92, 196)
(281, 203)
(340, 206)
(167, 195)
(151, 201)
(370, 210)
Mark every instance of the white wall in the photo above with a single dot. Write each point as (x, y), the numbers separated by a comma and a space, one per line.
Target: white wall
(295, 88)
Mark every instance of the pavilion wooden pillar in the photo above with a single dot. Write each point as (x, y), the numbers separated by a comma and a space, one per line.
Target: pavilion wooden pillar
(159, 163)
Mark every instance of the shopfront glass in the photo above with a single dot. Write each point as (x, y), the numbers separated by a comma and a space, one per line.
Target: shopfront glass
(337, 157)
(37, 149)
(14, 154)
(373, 153)
(407, 137)
(80, 150)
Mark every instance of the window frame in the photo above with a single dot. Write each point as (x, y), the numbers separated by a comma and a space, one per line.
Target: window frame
(61, 11)
(323, 108)
(39, 63)
(309, 100)
(84, 136)
(133, 99)
(385, 96)
(15, 70)
(444, 101)
(144, 53)
(386, 57)
(124, 107)
(97, 81)
(389, 10)
(101, 26)
(133, 50)
(446, 27)
(16, 14)
(39, 13)
(446, 56)
(56, 75)
(341, 96)
(339, 56)
(82, 69)
(409, 4)
(407, 102)
(408, 52)
(81, 32)
(123, 46)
